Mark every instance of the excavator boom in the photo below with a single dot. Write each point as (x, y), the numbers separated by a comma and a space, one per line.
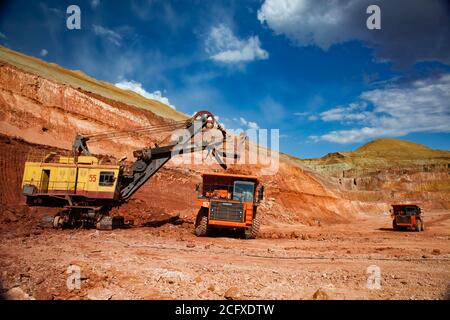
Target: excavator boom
(150, 160)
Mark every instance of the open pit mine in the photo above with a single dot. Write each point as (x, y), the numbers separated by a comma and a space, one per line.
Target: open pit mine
(90, 183)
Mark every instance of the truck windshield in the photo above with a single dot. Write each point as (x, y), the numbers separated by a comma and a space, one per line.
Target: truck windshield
(410, 211)
(243, 191)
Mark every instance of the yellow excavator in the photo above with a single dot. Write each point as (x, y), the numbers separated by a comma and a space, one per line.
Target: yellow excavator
(87, 189)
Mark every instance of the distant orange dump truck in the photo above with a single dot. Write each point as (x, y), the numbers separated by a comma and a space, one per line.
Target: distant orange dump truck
(229, 201)
(407, 216)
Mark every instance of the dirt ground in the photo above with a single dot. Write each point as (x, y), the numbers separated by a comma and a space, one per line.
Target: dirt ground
(287, 262)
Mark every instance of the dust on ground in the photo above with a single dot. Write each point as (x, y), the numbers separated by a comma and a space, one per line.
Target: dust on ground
(287, 262)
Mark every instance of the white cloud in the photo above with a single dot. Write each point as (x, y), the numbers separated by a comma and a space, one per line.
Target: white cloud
(108, 34)
(355, 111)
(43, 52)
(420, 106)
(137, 87)
(308, 115)
(304, 22)
(412, 32)
(2, 35)
(224, 46)
(248, 124)
(95, 3)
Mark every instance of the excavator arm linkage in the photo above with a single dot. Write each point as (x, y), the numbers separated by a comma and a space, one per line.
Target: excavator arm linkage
(150, 160)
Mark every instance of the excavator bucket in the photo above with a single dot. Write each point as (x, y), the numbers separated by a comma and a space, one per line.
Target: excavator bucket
(222, 153)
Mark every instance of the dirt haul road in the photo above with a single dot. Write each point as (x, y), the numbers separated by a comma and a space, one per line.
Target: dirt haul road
(170, 262)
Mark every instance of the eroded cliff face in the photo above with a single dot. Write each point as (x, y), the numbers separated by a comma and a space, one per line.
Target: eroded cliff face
(46, 112)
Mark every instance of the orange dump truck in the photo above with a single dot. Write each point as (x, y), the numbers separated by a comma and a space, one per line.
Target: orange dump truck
(229, 201)
(407, 216)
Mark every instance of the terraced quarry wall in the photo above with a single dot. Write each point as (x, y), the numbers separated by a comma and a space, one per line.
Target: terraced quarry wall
(407, 172)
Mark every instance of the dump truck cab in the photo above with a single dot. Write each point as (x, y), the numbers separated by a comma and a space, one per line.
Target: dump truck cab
(228, 201)
(407, 216)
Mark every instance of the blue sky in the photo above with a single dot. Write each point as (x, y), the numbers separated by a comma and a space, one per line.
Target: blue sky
(309, 68)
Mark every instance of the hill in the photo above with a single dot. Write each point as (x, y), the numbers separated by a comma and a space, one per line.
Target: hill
(391, 170)
(399, 149)
(380, 154)
(79, 80)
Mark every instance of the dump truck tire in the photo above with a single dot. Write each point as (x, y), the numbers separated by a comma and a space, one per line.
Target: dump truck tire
(201, 230)
(254, 230)
(201, 223)
(394, 225)
(418, 225)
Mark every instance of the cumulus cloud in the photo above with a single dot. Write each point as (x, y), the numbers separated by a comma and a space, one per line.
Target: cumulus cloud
(351, 113)
(248, 124)
(108, 34)
(420, 106)
(43, 52)
(410, 29)
(222, 45)
(137, 87)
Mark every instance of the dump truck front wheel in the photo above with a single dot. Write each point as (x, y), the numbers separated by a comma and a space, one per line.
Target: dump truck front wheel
(201, 223)
(394, 225)
(419, 226)
(253, 231)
